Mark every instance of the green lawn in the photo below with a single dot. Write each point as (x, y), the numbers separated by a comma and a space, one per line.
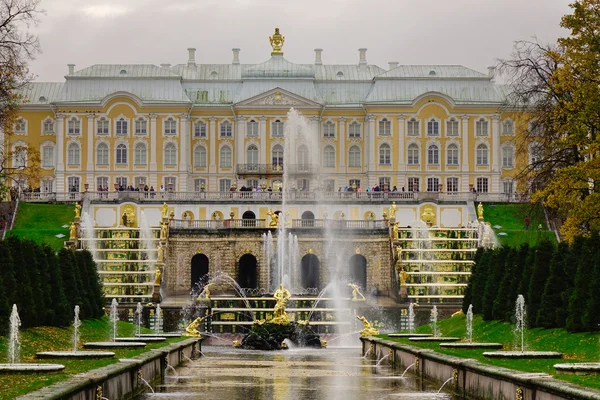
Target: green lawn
(511, 218)
(50, 338)
(42, 222)
(576, 347)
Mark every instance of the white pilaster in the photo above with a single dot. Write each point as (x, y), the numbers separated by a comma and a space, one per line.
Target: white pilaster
(60, 153)
(240, 139)
(401, 151)
(370, 142)
(90, 151)
(184, 138)
(153, 165)
(262, 127)
(342, 147)
(465, 153)
(496, 153)
(212, 166)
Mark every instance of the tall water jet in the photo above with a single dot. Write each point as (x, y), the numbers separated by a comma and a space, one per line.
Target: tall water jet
(147, 243)
(114, 317)
(520, 317)
(411, 318)
(158, 319)
(14, 342)
(90, 243)
(470, 323)
(434, 319)
(139, 309)
(76, 325)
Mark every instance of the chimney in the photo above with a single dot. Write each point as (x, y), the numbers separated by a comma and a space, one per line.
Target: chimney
(165, 66)
(393, 64)
(192, 57)
(236, 56)
(71, 68)
(318, 56)
(492, 73)
(362, 62)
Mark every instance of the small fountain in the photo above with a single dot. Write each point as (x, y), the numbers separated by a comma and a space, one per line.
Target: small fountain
(14, 349)
(158, 320)
(117, 342)
(437, 336)
(470, 344)
(520, 327)
(75, 353)
(411, 326)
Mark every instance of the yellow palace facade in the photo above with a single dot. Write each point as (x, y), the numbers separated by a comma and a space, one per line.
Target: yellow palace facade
(207, 127)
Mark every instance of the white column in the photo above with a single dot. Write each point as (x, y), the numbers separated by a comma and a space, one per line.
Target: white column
(59, 172)
(401, 151)
(90, 151)
(240, 139)
(496, 153)
(262, 129)
(371, 150)
(184, 137)
(342, 147)
(212, 144)
(153, 165)
(465, 153)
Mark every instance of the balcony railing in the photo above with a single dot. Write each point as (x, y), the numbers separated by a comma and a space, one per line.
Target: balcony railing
(276, 197)
(259, 169)
(262, 224)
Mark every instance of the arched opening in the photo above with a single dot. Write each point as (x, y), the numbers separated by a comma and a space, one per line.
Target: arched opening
(309, 270)
(358, 271)
(247, 272)
(308, 219)
(199, 272)
(248, 219)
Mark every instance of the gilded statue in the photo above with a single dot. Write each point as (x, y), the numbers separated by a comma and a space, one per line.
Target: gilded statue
(395, 232)
(403, 275)
(192, 329)
(276, 42)
(392, 211)
(163, 232)
(368, 329)
(236, 343)
(282, 295)
(274, 219)
(398, 253)
(157, 277)
(160, 253)
(480, 212)
(356, 294)
(205, 294)
(165, 210)
(77, 210)
(72, 232)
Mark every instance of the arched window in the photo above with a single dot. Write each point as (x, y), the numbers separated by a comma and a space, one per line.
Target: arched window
(225, 157)
(121, 154)
(482, 154)
(170, 154)
(413, 127)
(102, 154)
(277, 128)
(385, 154)
(481, 127)
(102, 126)
(452, 127)
(385, 127)
(329, 157)
(354, 130)
(122, 127)
(433, 154)
(252, 128)
(252, 154)
(328, 129)
(433, 127)
(140, 156)
(199, 129)
(226, 129)
(74, 126)
(170, 126)
(452, 156)
(508, 158)
(47, 154)
(508, 128)
(277, 155)
(73, 154)
(354, 159)
(302, 155)
(200, 157)
(413, 154)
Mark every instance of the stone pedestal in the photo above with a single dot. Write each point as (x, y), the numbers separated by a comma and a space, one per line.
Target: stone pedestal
(404, 293)
(156, 298)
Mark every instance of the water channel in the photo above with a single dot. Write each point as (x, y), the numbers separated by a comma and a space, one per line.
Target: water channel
(297, 374)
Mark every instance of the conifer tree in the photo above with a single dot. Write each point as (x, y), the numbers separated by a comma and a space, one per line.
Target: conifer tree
(503, 303)
(581, 290)
(570, 270)
(591, 315)
(32, 270)
(70, 278)
(495, 272)
(468, 297)
(5, 308)
(552, 301)
(60, 304)
(480, 280)
(94, 285)
(8, 273)
(520, 270)
(539, 275)
(24, 296)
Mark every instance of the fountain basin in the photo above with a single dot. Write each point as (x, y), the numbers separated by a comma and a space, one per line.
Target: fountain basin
(29, 368)
(434, 339)
(578, 368)
(137, 339)
(163, 334)
(409, 335)
(75, 354)
(474, 345)
(522, 354)
(113, 345)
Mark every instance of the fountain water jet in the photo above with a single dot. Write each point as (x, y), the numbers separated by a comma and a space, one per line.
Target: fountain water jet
(470, 344)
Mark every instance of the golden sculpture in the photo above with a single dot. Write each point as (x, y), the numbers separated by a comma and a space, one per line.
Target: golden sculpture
(163, 232)
(236, 344)
(274, 219)
(192, 329)
(428, 215)
(157, 277)
(276, 42)
(395, 233)
(480, 212)
(356, 294)
(398, 253)
(160, 253)
(284, 345)
(165, 210)
(403, 275)
(72, 232)
(205, 294)
(392, 211)
(368, 329)
(282, 295)
(77, 210)
(323, 343)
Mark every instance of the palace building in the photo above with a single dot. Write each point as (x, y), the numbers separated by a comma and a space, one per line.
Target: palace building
(201, 127)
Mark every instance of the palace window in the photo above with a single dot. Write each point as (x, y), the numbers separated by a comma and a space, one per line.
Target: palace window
(225, 157)
(74, 126)
(139, 182)
(20, 126)
(252, 128)
(199, 185)
(433, 127)
(122, 127)
(141, 126)
(354, 158)
(170, 183)
(452, 184)
(48, 126)
(329, 157)
(452, 127)
(385, 183)
(277, 128)
(385, 154)
(224, 185)
(101, 182)
(328, 129)
(452, 154)
(329, 185)
(73, 154)
(413, 127)
(482, 154)
(277, 155)
(200, 157)
(354, 183)
(102, 126)
(170, 154)
(303, 158)
(385, 127)
(482, 185)
(141, 154)
(433, 155)
(413, 184)
(481, 127)
(508, 187)
(433, 184)
(200, 129)
(122, 181)
(508, 127)
(354, 130)
(413, 154)
(508, 156)
(121, 156)
(102, 154)
(170, 126)
(226, 129)
(73, 183)
(48, 156)
(252, 155)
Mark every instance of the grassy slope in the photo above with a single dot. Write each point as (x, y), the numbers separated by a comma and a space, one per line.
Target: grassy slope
(576, 347)
(41, 222)
(50, 338)
(511, 217)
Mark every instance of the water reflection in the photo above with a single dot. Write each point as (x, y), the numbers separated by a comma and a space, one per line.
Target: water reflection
(302, 374)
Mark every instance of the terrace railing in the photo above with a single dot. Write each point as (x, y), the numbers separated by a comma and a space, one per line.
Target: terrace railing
(262, 224)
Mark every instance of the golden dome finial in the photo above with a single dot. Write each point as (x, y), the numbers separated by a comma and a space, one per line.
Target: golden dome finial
(276, 42)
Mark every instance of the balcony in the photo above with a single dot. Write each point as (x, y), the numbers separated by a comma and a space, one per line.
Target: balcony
(259, 169)
(176, 224)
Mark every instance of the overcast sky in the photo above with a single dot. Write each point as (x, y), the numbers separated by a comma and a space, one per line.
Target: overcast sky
(473, 33)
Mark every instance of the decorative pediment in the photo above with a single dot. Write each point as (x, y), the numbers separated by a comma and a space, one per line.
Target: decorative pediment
(278, 97)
